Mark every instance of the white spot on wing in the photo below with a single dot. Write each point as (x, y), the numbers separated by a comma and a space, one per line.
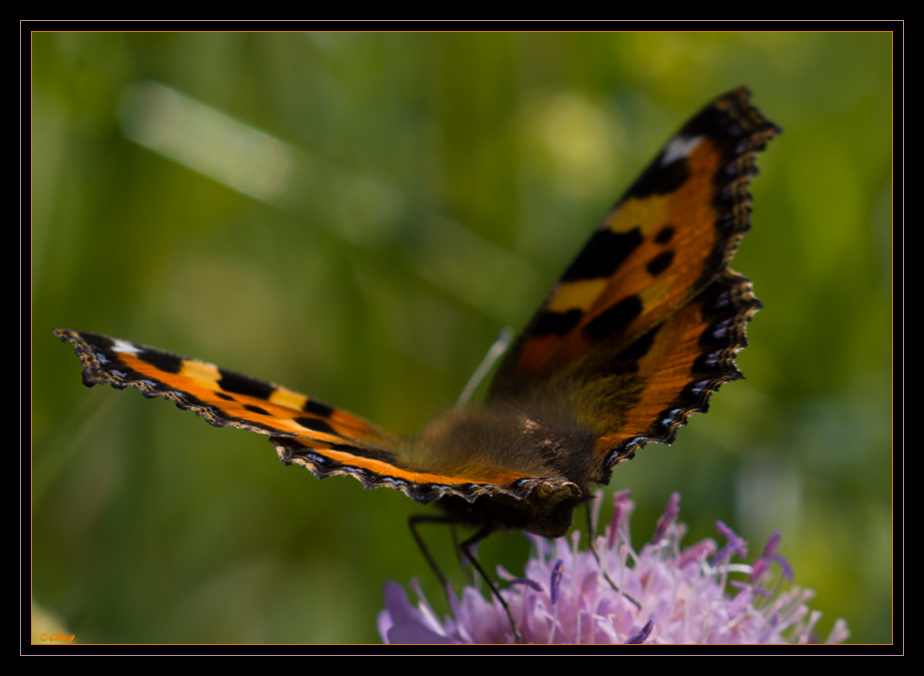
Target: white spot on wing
(679, 147)
(124, 346)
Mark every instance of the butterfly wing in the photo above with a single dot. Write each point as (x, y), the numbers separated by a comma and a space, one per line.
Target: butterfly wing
(222, 397)
(326, 440)
(645, 323)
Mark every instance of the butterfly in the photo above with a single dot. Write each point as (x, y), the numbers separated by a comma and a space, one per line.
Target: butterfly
(641, 329)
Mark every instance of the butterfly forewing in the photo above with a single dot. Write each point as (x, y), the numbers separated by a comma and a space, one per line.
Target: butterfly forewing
(668, 237)
(222, 397)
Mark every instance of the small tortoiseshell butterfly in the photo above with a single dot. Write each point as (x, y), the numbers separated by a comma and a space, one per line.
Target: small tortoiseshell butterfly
(640, 330)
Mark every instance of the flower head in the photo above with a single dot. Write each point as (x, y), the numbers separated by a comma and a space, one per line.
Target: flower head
(661, 594)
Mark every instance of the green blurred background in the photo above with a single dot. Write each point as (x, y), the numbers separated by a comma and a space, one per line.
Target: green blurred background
(413, 194)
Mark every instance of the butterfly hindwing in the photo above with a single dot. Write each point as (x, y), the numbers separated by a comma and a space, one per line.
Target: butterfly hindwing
(673, 370)
(393, 468)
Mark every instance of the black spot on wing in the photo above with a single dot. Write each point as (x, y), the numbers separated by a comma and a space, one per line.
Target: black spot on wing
(658, 179)
(256, 409)
(613, 318)
(317, 408)
(163, 361)
(316, 425)
(660, 263)
(557, 323)
(640, 347)
(665, 234)
(238, 384)
(603, 254)
(627, 361)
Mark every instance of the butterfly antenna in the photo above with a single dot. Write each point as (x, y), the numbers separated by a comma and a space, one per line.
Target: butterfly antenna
(498, 347)
(466, 546)
(591, 543)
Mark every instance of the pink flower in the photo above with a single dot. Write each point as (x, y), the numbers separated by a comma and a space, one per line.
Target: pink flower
(665, 595)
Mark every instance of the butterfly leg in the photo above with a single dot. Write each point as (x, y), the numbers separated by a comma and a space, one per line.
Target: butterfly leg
(412, 522)
(466, 548)
(591, 537)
